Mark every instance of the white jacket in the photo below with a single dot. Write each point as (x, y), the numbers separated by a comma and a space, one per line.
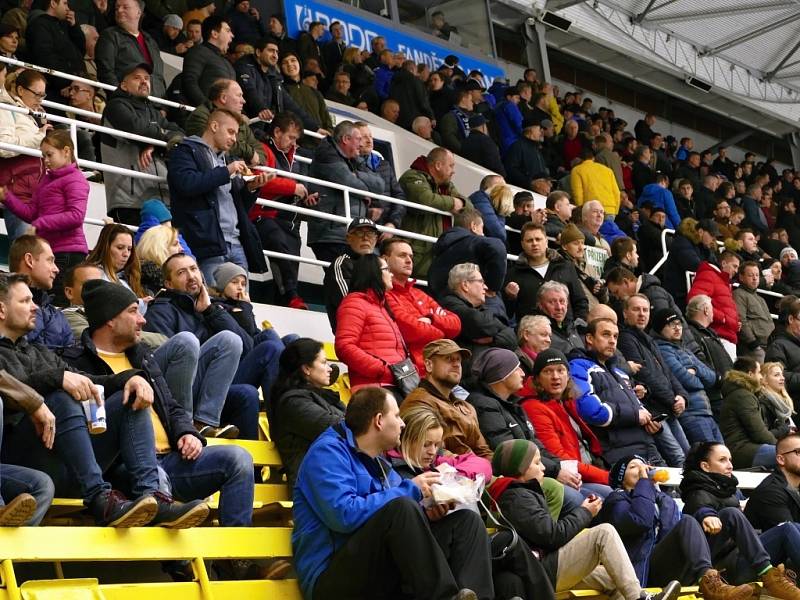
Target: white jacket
(16, 128)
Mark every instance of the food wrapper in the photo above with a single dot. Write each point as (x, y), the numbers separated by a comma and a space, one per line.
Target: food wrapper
(455, 488)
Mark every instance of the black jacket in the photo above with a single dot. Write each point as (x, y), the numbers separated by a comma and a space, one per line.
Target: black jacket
(650, 253)
(192, 183)
(173, 417)
(130, 113)
(524, 162)
(705, 494)
(641, 176)
(297, 418)
(56, 45)
(458, 245)
(202, 66)
(503, 420)
(483, 151)
(480, 322)
(118, 51)
(264, 90)
(336, 283)
(530, 281)
(710, 350)
(785, 348)
(661, 383)
(773, 502)
(409, 91)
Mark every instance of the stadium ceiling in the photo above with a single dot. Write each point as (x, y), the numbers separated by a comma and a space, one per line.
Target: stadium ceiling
(748, 51)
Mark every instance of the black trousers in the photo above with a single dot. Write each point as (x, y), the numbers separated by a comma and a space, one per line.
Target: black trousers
(279, 236)
(395, 555)
(129, 216)
(683, 554)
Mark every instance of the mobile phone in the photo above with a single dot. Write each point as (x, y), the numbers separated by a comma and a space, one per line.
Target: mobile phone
(661, 417)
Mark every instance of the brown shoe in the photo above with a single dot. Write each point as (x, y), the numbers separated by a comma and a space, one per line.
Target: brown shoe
(777, 585)
(17, 512)
(226, 432)
(713, 587)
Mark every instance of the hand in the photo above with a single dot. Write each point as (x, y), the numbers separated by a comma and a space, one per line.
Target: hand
(254, 12)
(236, 167)
(639, 389)
(634, 367)
(260, 180)
(146, 158)
(80, 387)
(425, 320)
(712, 525)
(45, 423)
(30, 230)
(183, 47)
(101, 5)
(143, 391)
(593, 506)
(458, 205)
(512, 290)
(300, 190)
(2, 193)
(385, 235)
(692, 371)
(652, 427)
(243, 296)
(255, 160)
(312, 199)
(679, 406)
(45, 128)
(189, 446)
(70, 18)
(438, 511)
(644, 416)
(569, 478)
(424, 481)
(324, 132)
(597, 287)
(147, 299)
(265, 115)
(203, 300)
(539, 216)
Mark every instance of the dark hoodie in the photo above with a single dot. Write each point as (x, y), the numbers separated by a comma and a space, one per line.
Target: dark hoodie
(686, 254)
(459, 245)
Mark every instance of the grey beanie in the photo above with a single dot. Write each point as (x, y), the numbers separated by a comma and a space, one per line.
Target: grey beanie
(225, 272)
(173, 21)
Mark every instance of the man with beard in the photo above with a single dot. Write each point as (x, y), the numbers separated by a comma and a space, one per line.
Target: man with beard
(774, 502)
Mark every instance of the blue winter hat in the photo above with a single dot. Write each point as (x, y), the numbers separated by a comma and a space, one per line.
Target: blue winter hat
(155, 209)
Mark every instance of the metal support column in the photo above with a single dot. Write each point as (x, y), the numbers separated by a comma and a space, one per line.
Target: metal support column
(794, 146)
(536, 48)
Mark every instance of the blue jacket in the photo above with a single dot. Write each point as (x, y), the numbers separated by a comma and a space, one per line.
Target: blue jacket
(493, 224)
(608, 404)
(679, 360)
(642, 517)
(661, 198)
(611, 231)
(151, 221)
(172, 311)
(458, 245)
(338, 489)
(52, 328)
(192, 181)
(509, 124)
(383, 79)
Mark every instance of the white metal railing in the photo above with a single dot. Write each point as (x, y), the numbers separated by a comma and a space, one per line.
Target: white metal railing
(110, 88)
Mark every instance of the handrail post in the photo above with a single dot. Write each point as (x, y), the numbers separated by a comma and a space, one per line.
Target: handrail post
(347, 204)
(73, 133)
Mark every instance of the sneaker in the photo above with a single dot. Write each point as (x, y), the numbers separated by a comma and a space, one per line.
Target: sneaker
(669, 592)
(179, 515)
(778, 585)
(298, 303)
(17, 512)
(226, 432)
(465, 594)
(713, 587)
(112, 509)
(240, 569)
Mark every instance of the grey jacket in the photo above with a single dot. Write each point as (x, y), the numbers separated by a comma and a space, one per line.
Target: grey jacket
(117, 51)
(754, 316)
(330, 165)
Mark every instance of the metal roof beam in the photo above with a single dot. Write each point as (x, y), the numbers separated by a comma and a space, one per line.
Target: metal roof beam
(722, 12)
(561, 4)
(782, 63)
(742, 38)
(651, 9)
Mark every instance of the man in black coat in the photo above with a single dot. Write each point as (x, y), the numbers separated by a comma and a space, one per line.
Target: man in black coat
(524, 161)
(709, 349)
(776, 500)
(206, 62)
(480, 148)
(411, 95)
(785, 348)
(55, 40)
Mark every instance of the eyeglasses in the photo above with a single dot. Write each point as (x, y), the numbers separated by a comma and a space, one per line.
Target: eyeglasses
(35, 94)
(475, 280)
(796, 452)
(384, 268)
(365, 233)
(675, 324)
(77, 89)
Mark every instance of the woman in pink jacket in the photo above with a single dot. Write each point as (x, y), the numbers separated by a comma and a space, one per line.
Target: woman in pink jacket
(58, 205)
(367, 338)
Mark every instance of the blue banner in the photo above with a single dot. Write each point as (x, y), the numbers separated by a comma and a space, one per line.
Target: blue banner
(359, 32)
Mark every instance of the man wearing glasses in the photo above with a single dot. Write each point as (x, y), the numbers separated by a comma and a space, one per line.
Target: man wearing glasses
(776, 501)
(361, 237)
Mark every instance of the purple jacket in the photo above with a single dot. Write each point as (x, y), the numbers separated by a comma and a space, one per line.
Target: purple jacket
(57, 208)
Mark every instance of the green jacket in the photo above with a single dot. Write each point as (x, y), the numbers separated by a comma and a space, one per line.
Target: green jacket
(246, 143)
(420, 187)
(311, 101)
(741, 421)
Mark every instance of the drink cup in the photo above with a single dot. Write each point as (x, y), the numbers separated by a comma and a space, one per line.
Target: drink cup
(95, 414)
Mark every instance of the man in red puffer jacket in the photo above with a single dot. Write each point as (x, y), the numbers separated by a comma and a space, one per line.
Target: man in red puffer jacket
(715, 282)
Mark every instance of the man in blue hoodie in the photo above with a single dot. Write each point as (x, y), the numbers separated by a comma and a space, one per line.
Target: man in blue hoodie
(351, 508)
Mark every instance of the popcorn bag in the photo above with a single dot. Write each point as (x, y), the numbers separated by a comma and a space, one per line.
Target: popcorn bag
(455, 488)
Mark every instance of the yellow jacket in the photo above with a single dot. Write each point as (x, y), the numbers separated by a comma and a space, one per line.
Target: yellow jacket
(592, 181)
(555, 115)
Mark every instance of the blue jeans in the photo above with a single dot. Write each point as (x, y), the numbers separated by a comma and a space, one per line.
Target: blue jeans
(235, 255)
(782, 543)
(671, 442)
(259, 367)
(216, 367)
(241, 409)
(598, 489)
(177, 358)
(15, 227)
(700, 428)
(765, 457)
(227, 469)
(572, 500)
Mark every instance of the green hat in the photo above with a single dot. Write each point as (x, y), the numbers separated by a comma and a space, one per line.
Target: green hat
(513, 457)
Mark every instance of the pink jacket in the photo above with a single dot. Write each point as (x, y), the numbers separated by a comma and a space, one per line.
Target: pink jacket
(468, 464)
(57, 208)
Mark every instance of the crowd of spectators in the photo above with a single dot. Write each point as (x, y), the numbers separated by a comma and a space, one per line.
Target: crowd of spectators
(562, 378)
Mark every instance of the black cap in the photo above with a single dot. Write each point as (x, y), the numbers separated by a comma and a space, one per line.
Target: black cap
(663, 317)
(511, 91)
(477, 120)
(531, 122)
(473, 86)
(547, 358)
(146, 66)
(360, 222)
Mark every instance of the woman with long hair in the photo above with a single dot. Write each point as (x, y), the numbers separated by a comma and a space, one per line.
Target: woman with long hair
(116, 256)
(57, 208)
(155, 246)
(367, 338)
(300, 407)
(776, 401)
(710, 494)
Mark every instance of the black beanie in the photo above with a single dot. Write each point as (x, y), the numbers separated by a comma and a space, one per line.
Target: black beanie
(103, 301)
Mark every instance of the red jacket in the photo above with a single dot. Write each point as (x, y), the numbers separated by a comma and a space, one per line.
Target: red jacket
(716, 284)
(551, 420)
(408, 304)
(277, 188)
(367, 339)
